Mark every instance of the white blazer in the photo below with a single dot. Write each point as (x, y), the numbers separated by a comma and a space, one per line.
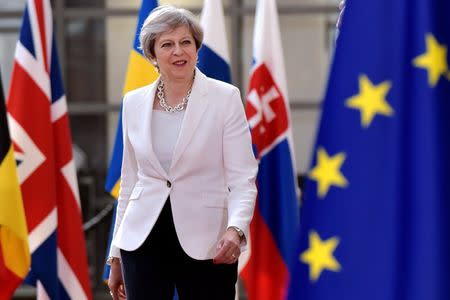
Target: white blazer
(211, 181)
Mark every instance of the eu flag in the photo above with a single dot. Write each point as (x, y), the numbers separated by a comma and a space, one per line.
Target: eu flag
(376, 212)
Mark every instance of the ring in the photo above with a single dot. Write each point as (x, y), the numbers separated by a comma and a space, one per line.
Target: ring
(233, 256)
(110, 292)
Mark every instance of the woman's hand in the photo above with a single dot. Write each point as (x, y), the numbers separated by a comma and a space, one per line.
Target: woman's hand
(115, 282)
(228, 250)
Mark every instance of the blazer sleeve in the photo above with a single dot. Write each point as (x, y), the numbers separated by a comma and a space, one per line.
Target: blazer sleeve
(128, 178)
(240, 164)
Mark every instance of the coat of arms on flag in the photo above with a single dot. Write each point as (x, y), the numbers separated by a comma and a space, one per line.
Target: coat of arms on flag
(266, 267)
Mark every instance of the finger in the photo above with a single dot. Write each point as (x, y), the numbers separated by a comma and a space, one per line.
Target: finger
(219, 258)
(121, 291)
(234, 257)
(236, 252)
(230, 260)
(222, 257)
(221, 249)
(220, 245)
(228, 255)
(231, 253)
(232, 249)
(114, 289)
(225, 249)
(113, 284)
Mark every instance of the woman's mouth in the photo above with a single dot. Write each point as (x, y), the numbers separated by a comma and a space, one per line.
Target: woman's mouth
(180, 62)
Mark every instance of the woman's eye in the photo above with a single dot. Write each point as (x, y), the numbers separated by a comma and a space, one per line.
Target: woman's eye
(165, 45)
(186, 42)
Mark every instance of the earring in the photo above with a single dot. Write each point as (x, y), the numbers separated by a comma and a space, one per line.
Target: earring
(155, 64)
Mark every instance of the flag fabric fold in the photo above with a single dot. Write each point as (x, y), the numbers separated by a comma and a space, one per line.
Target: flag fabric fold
(376, 214)
(14, 250)
(140, 72)
(266, 269)
(213, 57)
(39, 124)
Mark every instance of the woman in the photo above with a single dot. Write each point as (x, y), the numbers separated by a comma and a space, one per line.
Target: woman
(188, 174)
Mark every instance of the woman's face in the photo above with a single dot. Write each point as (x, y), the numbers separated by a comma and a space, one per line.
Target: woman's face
(176, 54)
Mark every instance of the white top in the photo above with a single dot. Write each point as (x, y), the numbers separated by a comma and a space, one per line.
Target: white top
(165, 130)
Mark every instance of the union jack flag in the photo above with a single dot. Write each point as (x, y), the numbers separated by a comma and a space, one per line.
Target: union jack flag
(37, 113)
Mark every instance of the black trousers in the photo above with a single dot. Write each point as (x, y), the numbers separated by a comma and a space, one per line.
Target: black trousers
(154, 270)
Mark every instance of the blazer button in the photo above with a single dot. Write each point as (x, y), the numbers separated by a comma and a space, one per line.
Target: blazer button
(168, 184)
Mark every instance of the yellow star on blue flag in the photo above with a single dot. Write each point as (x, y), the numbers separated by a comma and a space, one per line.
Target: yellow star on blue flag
(327, 172)
(375, 215)
(319, 256)
(371, 100)
(434, 60)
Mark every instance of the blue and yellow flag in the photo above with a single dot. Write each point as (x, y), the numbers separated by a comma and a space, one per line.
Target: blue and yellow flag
(140, 72)
(376, 213)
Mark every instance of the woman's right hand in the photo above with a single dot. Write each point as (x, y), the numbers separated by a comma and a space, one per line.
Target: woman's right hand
(115, 282)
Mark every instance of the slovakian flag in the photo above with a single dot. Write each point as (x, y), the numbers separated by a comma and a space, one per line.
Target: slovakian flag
(274, 227)
(140, 72)
(376, 211)
(213, 57)
(40, 133)
(14, 251)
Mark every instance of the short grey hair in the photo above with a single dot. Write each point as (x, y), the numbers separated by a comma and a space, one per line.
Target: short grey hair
(166, 18)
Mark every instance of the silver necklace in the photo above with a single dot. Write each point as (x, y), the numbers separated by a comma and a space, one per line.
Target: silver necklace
(162, 100)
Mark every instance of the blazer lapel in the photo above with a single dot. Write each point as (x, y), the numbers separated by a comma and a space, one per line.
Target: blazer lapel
(196, 107)
(147, 110)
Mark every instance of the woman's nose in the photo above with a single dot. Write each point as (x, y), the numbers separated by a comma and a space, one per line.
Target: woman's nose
(177, 50)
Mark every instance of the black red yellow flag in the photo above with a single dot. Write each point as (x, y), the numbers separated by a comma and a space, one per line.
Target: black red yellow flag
(14, 250)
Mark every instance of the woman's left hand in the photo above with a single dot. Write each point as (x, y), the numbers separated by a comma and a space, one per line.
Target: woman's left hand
(228, 250)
